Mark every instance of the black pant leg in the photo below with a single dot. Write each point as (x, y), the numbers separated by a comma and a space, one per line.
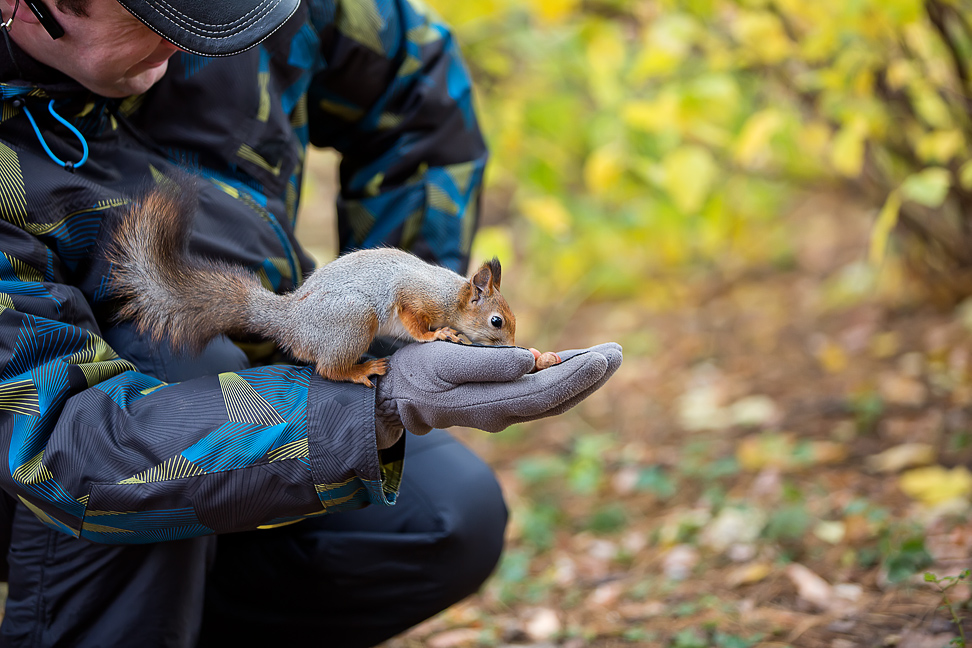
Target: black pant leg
(358, 578)
(78, 594)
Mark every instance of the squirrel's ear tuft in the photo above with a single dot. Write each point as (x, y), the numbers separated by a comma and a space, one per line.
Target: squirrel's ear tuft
(487, 278)
(496, 270)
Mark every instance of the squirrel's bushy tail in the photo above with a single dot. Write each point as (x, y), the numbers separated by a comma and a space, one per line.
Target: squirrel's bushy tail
(169, 292)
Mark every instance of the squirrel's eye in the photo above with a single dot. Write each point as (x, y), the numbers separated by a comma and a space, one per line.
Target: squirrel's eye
(496, 321)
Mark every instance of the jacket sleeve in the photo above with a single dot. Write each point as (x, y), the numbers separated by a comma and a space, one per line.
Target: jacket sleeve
(395, 99)
(102, 452)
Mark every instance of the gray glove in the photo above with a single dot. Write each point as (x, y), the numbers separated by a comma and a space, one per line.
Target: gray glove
(441, 384)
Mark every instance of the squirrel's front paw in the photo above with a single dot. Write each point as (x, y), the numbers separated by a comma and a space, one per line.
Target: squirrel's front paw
(448, 334)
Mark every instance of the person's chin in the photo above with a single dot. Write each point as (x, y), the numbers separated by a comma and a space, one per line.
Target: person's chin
(135, 83)
(149, 77)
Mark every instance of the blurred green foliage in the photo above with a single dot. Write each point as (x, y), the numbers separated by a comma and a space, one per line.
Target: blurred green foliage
(634, 139)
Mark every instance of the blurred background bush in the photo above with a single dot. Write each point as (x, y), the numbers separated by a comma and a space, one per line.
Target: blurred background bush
(634, 139)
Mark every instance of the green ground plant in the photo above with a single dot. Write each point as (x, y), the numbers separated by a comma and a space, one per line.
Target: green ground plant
(952, 608)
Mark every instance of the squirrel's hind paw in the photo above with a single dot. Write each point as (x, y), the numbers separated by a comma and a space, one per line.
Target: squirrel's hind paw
(358, 373)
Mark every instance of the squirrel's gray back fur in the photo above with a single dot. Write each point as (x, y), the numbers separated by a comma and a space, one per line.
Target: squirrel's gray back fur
(351, 299)
(172, 293)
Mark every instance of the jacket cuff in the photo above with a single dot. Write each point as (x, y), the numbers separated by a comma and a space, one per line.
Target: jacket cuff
(344, 460)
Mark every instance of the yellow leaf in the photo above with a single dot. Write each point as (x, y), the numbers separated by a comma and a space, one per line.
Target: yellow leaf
(784, 451)
(653, 62)
(904, 12)
(754, 139)
(665, 43)
(689, 173)
(930, 106)
(832, 357)
(899, 74)
(549, 10)
(605, 52)
(547, 213)
(936, 484)
(940, 146)
(847, 151)
(884, 345)
(749, 574)
(605, 57)
(603, 169)
(883, 226)
(757, 452)
(928, 187)
(652, 116)
(762, 34)
(814, 138)
(458, 14)
(649, 170)
(921, 39)
(824, 42)
(965, 175)
(494, 242)
(863, 83)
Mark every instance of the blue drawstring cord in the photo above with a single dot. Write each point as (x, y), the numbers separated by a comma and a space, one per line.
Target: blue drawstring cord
(70, 166)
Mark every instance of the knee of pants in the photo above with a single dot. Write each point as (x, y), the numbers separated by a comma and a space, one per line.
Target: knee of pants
(450, 516)
(436, 546)
(471, 537)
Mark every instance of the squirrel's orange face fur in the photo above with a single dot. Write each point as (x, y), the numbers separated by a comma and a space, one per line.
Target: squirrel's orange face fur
(484, 315)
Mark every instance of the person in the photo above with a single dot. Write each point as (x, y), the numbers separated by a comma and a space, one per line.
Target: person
(152, 498)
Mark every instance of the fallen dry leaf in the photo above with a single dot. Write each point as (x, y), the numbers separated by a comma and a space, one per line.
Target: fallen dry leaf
(749, 574)
(934, 485)
(606, 596)
(542, 624)
(733, 525)
(785, 452)
(831, 357)
(902, 390)
(680, 561)
(454, 638)
(899, 457)
(810, 587)
(646, 610)
(753, 411)
(831, 532)
(701, 408)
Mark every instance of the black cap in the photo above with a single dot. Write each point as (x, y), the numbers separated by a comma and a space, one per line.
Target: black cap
(213, 28)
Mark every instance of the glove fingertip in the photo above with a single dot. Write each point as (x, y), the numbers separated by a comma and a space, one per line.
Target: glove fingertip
(580, 373)
(524, 359)
(597, 365)
(614, 356)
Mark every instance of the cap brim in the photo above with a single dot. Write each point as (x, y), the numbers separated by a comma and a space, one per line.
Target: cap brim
(213, 28)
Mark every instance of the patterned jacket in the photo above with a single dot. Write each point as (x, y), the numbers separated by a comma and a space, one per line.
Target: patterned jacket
(102, 451)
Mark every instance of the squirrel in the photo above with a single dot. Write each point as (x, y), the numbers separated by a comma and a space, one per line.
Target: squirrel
(329, 321)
